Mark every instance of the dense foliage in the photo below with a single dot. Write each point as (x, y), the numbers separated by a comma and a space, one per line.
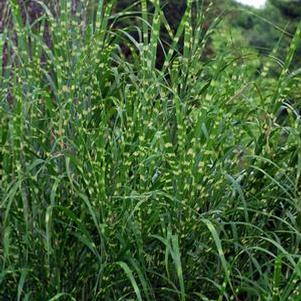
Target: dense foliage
(122, 181)
(269, 30)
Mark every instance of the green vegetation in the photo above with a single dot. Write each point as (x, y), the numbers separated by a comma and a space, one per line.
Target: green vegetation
(122, 181)
(264, 29)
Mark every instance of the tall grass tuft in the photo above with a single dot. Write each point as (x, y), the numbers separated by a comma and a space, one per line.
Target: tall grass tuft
(120, 181)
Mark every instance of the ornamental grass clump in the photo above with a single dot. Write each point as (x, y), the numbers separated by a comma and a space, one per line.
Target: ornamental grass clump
(122, 181)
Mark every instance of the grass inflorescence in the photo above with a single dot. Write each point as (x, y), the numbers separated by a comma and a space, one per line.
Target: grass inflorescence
(122, 181)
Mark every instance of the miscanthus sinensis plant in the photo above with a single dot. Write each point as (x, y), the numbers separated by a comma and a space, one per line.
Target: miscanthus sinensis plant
(120, 181)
